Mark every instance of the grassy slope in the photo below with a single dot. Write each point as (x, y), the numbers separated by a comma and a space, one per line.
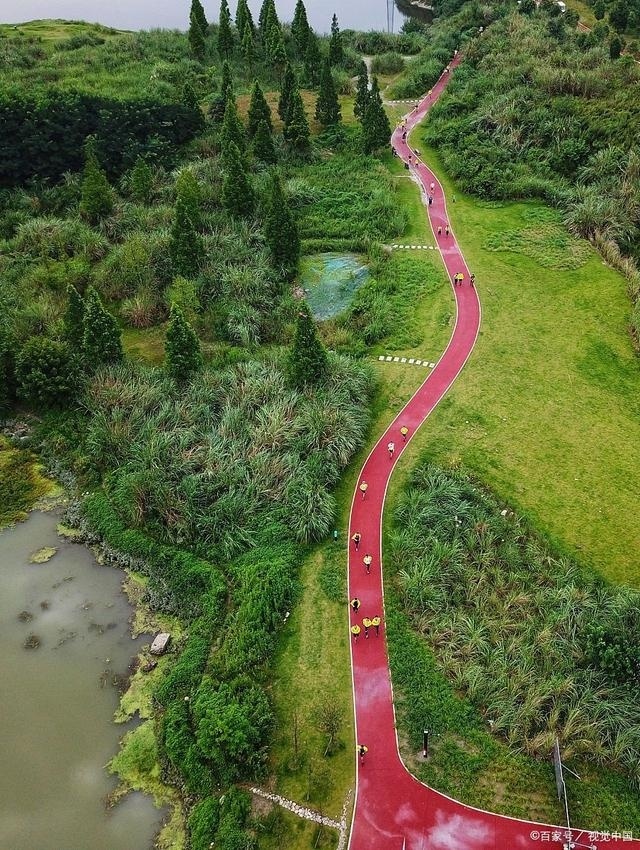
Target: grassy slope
(56, 29)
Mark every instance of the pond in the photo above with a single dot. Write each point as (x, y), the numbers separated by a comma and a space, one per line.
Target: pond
(174, 14)
(330, 281)
(57, 698)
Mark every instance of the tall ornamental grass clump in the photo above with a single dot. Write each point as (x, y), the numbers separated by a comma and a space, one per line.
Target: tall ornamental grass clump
(544, 649)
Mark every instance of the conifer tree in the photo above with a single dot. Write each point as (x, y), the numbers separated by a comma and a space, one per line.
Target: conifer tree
(188, 189)
(225, 33)
(267, 15)
(308, 363)
(286, 90)
(274, 43)
(615, 47)
(362, 92)
(281, 230)
(258, 110)
(219, 104)
(243, 17)
(376, 130)
(296, 128)
(263, 147)
(336, 51)
(74, 320)
(300, 29)
(196, 38)
(197, 10)
(186, 249)
(248, 45)
(327, 106)
(141, 181)
(312, 60)
(190, 100)
(96, 198)
(101, 342)
(183, 357)
(237, 192)
(232, 129)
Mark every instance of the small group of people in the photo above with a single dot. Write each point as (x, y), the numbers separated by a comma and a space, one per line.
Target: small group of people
(367, 622)
(458, 279)
(447, 230)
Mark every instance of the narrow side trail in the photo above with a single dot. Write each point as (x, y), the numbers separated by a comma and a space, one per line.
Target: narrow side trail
(394, 811)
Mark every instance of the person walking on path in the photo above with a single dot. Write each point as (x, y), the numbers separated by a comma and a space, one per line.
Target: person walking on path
(432, 187)
(366, 622)
(439, 230)
(404, 431)
(430, 199)
(356, 537)
(355, 631)
(472, 280)
(375, 622)
(363, 488)
(391, 447)
(355, 604)
(362, 751)
(367, 563)
(446, 230)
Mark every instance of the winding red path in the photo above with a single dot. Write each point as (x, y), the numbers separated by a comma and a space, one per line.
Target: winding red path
(394, 811)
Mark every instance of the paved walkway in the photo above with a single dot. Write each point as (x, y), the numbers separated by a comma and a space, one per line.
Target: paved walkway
(393, 810)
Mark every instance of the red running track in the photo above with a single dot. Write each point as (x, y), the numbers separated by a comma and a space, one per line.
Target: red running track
(393, 810)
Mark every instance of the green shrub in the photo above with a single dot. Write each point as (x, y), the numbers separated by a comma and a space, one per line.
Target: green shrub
(47, 373)
(387, 63)
(203, 823)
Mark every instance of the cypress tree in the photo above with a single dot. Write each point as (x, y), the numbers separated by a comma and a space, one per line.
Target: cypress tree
(300, 29)
(237, 192)
(296, 128)
(196, 38)
(615, 47)
(188, 189)
(376, 130)
(225, 34)
(232, 130)
(101, 334)
(599, 10)
(267, 14)
(276, 51)
(74, 320)
(312, 60)
(219, 103)
(258, 110)
(46, 372)
(327, 106)
(141, 180)
(186, 249)
(336, 51)
(243, 17)
(248, 45)
(197, 10)
(286, 90)
(183, 357)
(308, 364)
(190, 100)
(281, 230)
(263, 147)
(96, 198)
(362, 92)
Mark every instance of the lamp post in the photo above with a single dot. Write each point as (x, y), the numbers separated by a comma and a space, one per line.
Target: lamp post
(425, 743)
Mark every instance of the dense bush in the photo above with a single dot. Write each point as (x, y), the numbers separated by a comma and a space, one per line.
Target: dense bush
(47, 373)
(387, 63)
(538, 646)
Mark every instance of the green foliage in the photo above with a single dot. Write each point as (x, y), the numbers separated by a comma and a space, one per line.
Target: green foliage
(47, 373)
(362, 92)
(308, 359)
(376, 130)
(225, 34)
(141, 181)
(615, 47)
(327, 106)
(300, 29)
(197, 10)
(203, 822)
(619, 15)
(74, 320)
(470, 576)
(101, 344)
(599, 10)
(387, 63)
(263, 147)
(237, 192)
(182, 294)
(232, 131)
(97, 197)
(196, 38)
(296, 129)
(281, 231)
(244, 19)
(287, 88)
(312, 60)
(187, 249)
(336, 50)
(183, 355)
(258, 111)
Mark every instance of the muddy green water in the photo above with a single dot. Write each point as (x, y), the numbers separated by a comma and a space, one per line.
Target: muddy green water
(330, 282)
(56, 705)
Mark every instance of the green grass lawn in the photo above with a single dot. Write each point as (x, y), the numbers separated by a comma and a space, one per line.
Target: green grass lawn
(55, 29)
